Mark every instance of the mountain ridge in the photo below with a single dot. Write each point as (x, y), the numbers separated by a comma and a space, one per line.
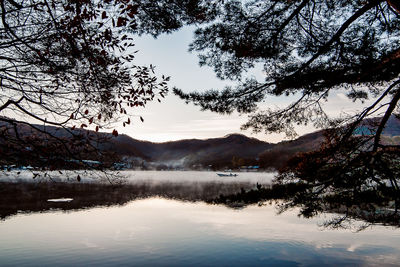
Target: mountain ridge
(232, 150)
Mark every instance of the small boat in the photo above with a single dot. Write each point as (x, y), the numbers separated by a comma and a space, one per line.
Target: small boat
(227, 174)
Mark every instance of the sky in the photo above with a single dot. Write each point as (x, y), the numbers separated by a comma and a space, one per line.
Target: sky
(172, 119)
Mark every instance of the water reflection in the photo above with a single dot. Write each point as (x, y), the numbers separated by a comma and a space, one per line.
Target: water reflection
(158, 231)
(26, 197)
(164, 221)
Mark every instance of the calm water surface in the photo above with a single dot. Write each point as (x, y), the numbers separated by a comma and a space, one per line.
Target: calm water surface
(150, 176)
(162, 232)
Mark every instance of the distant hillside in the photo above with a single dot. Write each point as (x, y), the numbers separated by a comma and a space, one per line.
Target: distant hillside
(231, 151)
(279, 154)
(215, 151)
(191, 153)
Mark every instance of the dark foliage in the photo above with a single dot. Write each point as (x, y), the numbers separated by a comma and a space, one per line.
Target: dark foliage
(349, 177)
(68, 64)
(369, 206)
(306, 51)
(309, 49)
(278, 156)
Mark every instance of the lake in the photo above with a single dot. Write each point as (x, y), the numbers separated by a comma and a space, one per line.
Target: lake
(147, 176)
(165, 221)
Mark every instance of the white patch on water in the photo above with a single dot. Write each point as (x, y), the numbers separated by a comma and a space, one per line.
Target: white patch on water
(60, 200)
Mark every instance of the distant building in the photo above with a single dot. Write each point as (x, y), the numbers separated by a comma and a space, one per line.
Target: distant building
(250, 168)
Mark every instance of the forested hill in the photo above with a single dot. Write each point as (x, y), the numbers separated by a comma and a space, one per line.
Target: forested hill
(194, 152)
(231, 151)
(191, 153)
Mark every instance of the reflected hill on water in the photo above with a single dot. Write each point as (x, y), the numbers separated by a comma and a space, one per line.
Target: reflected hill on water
(32, 197)
(29, 197)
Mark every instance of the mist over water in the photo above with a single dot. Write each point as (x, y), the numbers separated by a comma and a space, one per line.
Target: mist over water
(20, 193)
(198, 176)
(164, 218)
(140, 176)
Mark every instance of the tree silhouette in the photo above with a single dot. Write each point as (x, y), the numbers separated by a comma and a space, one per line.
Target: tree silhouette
(70, 64)
(306, 51)
(309, 49)
(67, 64)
